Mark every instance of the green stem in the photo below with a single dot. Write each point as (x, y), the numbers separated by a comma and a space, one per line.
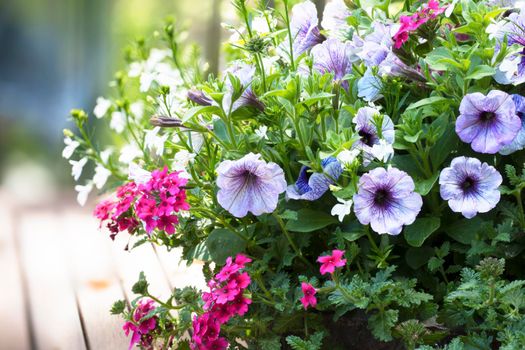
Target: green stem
(289, 238)
(290, 39)
(519, 201)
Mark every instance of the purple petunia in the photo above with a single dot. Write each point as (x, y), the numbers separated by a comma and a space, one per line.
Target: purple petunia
(244, 72)
(249, 184)
(369, 133)
(470, 186)
(311, 186)
(386, 200)
(304, 29)
(333, 56)
(487, 122)
(519, 141)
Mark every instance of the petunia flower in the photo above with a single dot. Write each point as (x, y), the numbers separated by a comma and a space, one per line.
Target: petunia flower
(137, 174)
(348, 157)
(487, 122)
(519, 141)
(335, 19)
(249, 184)
(369, 87)
(311, 186)
(333, 56)
(386, 200)
(303, 28)
(382, 151)
(365, 122)
(245, 73)
(469, 186)
(342, 209)
(330, 262)
(308, 299)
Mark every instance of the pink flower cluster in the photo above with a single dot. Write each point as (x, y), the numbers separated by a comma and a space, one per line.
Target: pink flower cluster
(141, 326)
(412, 23)
(155, 203)
(225, 300)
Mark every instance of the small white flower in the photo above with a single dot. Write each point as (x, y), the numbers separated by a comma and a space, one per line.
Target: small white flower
(71, 146)
(137, 174)
(101, 176)
(128, 153)
(342, 209)
(118, 121)
(77, 166)
(155, 143)
(104, 155)
(101, 107)
(347, 157)
(183, 157)
(382, 151)
(260, 25)
(83, 192)
(137, 109)
(450, 8)
(261, 132)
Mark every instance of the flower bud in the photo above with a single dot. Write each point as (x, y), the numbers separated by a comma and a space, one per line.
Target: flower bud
(67, 133)
(79, 116)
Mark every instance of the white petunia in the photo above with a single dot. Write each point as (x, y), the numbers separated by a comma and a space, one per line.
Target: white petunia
(155, 143)
(101, 107)
(342, 209)
(261, 132)
(347, 157)
(77, 166)
(128, 153)
(101, 176)
(71, 146)
(137, 174)
(382, 151)
(118, 121)
(83, 192)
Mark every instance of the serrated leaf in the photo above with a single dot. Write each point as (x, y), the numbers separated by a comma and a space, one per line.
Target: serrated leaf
(381, 324)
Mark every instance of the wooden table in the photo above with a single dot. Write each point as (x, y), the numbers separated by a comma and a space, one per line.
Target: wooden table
(60, 275)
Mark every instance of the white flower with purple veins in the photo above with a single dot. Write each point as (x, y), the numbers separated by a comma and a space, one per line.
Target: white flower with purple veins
(333, 56)
(102, 107)
(249, 184)
(488, 122)
(519, 141)
(469, 186)
(386, 200)
(245, 73)
(334, 21)
(71, 146)
(369, 135)
(101, 176)
(310, 185)
(77, 166)
(83, 192)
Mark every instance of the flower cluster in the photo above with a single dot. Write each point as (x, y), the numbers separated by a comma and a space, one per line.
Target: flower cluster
(225, 300)
(155, 202)
(142, 324)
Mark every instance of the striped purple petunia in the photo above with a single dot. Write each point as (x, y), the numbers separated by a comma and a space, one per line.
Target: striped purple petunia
(333, 56)
(311, 186)
(519, 141)
(487, 122)
(369, 133)
(386, 200)
(249, 184)
(469, 186)
(304, 28)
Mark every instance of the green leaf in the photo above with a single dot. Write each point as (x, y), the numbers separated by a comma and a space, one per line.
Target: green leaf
(141, 286)
(223, 243)
(420, 230)
(192, 112)
(289, 215)
(423, 187)
(309, 220)
(118, 307)
(481, 71)
(381, 324)
(416, 258)
(465, 230)
(446, 144)
(427, 101)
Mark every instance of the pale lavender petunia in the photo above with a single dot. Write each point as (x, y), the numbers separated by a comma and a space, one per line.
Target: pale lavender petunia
(249, 184)
(512, 68)
(377, 45)
(386, 200)
(469, 186)
(335, 17)
(245, 73)
(333, 56)
(369, 135)
(304, 29)
(487, 122)
(519, 141)
(311, 186)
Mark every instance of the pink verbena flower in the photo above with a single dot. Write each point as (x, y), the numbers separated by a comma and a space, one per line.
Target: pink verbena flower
(308, 298)
(411, 23)
(330, 262)
(141, 326)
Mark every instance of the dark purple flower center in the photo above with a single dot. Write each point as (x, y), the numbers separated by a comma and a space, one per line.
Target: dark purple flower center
(367, 137)
(487, 116)
(469, 184)
(382, 197)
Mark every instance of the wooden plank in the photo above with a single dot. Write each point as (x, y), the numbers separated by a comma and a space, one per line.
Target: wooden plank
(178, 273)
(14, 330)
(95, 280)
(53, 308)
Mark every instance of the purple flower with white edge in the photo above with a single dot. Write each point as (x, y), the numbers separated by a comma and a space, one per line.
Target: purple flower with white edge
(386, 200)
(519, 141)
(304, 28)
(487, 122)
(311, 186)
(469, 186)
(333, 56)
(365, 124)
(249, 184)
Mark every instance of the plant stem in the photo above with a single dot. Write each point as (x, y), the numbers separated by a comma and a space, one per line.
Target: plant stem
(289, 238)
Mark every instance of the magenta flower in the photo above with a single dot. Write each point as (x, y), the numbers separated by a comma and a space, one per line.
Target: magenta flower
(140, 327)
(308, 299)
(487, 122)
(330, 262)
(470, 186)
(386, 200)
(249, 185)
